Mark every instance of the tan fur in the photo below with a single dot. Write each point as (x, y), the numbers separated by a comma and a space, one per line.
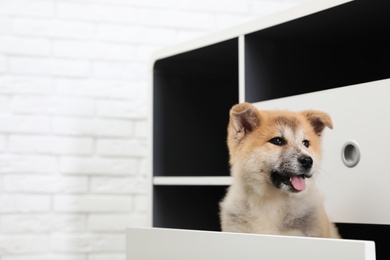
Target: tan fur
(253, 204)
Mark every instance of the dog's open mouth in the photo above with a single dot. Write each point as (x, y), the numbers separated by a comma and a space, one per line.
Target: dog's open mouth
(295, 183)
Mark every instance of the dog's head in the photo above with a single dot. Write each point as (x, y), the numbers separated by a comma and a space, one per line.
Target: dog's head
(275, 149)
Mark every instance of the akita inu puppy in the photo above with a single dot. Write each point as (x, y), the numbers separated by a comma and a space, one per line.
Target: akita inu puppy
(274, 157)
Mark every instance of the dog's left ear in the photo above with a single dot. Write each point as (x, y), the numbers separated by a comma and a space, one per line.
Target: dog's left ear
(318, 120)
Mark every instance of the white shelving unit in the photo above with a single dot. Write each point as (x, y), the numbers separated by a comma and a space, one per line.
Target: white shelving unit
(325, 55)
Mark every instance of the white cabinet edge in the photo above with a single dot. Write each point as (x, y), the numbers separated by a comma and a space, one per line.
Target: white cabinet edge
(261, 23)
(159, 243)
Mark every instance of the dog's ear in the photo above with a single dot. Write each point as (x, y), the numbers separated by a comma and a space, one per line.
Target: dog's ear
(244, 118)
(318, 120)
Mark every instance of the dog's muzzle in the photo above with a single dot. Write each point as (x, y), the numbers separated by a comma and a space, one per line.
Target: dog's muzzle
(294, 180)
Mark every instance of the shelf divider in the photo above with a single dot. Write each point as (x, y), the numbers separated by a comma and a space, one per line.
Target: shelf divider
(193, 181)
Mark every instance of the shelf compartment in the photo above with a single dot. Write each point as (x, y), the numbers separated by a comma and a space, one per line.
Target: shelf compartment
(358, 195)
(187, 207)
(324, 50)
(192, 95)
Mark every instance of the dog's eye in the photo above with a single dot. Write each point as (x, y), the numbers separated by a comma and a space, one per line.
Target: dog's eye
(306, 143)
(278, 141)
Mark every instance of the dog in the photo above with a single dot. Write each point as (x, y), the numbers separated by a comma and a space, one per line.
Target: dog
(274, 159)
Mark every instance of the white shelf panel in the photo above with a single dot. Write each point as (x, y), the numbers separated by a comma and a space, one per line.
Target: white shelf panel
(156, 243)
(195, 181)
(359, 113)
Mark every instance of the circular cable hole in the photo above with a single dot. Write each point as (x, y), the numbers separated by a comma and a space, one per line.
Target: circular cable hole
(350, 154)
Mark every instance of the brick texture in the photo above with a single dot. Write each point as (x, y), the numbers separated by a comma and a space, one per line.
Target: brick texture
(73, 116)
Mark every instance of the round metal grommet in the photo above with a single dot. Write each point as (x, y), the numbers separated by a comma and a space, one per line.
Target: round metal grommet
(350, 154)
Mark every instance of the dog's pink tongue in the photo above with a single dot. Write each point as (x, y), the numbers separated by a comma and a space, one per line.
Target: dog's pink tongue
(298, 182)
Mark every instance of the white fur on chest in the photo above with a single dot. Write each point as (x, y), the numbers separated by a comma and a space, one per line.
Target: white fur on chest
(269, 213)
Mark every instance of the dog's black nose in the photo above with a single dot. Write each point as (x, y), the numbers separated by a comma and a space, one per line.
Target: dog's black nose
(306, 162)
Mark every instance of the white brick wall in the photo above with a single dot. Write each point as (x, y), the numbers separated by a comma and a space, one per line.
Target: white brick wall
(24, 45)
(60, 145)
(73, 110)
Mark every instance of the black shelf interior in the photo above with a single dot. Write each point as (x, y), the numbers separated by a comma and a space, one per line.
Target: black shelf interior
(340, 46)
(192, 95)
(187, 207)
(373, 232)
